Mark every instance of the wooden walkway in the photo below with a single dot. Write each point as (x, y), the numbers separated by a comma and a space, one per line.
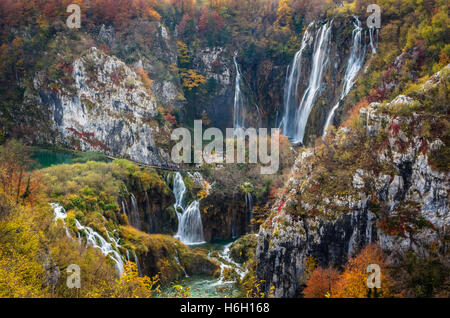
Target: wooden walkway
(173, 168)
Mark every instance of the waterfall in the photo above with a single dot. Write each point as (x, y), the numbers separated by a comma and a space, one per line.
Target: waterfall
(354, 65)
(60, 214)
(373, 41)
(98, 242)
(138, 265)
(249, 207)
(134, 217)
(229, 263)
(293, 76)
(296, 129)
(238, 110)
(179, 190)
(190, 226)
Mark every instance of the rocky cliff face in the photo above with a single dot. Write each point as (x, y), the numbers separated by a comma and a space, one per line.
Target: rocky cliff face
(399, 202)
(107, 109)
(216, 65)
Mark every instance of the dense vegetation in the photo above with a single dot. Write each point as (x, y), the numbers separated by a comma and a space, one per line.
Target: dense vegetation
(35, 250)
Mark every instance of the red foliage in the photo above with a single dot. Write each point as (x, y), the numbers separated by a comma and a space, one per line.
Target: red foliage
(171, 119)
(281, 206)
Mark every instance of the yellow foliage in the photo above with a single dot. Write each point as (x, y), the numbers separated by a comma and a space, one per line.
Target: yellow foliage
(192, 79)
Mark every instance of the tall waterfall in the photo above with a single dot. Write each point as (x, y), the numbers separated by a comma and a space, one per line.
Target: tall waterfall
(296, 129)
(238, 110)
(190, 226)
(293, 76)
(249, 208)
(354, 65)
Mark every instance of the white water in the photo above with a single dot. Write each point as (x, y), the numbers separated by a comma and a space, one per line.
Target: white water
(373, 40)
(190, 226)
(238, 110)
(293, 75)
(249, 208)
(98, 242)
(134, 217)
(296, 130)
(60, 214)
(354, 65)
(225, 255)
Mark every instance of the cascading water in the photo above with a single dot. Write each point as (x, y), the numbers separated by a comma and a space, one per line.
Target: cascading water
(293, 76)
(98, 242)
(295, 130)
(190, 226)
(354, 65)
(373, 41)
(60, 214)
(249, 208)
(241, 115)
(238, 110)
(134, 217)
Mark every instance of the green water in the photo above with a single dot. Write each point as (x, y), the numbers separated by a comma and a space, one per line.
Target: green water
(203, 286)
(45, 157)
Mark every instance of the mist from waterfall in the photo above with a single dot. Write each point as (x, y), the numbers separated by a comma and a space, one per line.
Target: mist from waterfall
(190, 226)
(354, 65)
(294, 122)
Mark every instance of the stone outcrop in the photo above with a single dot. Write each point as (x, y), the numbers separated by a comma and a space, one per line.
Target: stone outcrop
(107, 109)
(408, 182)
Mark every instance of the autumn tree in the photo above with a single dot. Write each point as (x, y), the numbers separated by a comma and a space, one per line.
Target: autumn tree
(353, 281)
(321, 283)
(284, 14)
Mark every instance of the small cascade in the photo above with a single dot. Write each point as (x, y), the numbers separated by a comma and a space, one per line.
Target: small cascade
(134, 217)
(294, 121)
(98, 242)
(354, 65)
(229, 263)
(60, 214)
(373, 35)
(190, 226)
(138, 265)
(179, 190)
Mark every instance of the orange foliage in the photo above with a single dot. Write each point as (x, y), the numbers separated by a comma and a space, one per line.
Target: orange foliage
(144, 77)
(171, 119)
(321, 282)
(354, 112)
(352, 282)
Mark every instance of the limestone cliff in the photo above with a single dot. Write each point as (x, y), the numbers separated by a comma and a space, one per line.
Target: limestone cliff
(392, 191)
(106, 108)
